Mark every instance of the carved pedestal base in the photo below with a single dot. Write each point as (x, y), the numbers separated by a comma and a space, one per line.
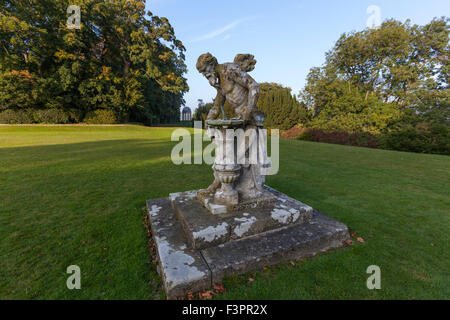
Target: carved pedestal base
(196, 249)
(240, 155)
(227, 175)
(215, 207)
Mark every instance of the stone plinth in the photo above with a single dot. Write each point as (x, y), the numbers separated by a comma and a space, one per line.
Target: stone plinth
(181, 268)
(197, 249)
(208, 201)
(204, 230)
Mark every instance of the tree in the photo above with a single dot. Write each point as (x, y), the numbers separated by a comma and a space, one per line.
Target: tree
(336, 104)
(282, 109)
(121, 59)
(374, 79)
(385, 80)
(201, 113)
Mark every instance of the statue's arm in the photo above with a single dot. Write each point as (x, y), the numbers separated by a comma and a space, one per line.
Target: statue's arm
(245, 80)
(218, 102)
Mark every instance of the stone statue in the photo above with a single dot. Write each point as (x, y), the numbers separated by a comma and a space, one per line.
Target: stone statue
(238, 224)
(239, 183)
(233, 84)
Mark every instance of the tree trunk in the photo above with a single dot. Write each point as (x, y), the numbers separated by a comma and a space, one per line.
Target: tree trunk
(126, 67)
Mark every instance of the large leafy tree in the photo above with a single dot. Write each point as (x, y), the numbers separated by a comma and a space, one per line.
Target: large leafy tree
(374, 79)
(121, 59)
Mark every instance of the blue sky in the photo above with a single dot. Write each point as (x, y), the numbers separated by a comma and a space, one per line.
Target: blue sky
(287, 37)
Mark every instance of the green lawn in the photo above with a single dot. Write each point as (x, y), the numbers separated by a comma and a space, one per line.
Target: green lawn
(76, 195)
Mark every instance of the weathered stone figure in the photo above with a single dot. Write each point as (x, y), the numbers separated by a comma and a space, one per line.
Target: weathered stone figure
(233, 84)
(241, 182)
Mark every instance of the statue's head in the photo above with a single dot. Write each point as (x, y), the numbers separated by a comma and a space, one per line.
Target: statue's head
(206, 65)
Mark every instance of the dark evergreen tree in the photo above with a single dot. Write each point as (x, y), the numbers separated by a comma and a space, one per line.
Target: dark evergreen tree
(282, 109)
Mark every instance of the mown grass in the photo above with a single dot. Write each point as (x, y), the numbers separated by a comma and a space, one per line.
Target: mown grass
(75, 195)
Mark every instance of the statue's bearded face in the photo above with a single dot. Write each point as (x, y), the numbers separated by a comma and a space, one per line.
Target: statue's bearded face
(210, 74)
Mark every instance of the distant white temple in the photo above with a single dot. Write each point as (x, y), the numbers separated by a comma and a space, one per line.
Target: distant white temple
(186, 114)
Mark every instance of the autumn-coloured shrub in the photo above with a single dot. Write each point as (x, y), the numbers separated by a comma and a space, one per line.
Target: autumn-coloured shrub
(292, 133)
(52, 115)
(360, 139)
(422, 138)
(101, 116)
(185, 124)
(11, 116)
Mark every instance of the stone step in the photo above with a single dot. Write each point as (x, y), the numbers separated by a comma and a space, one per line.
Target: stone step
(204, 229)
(182, 269)
(186, 269)
(295, 242)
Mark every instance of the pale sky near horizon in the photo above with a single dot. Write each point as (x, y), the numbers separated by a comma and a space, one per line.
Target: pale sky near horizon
(287, 37)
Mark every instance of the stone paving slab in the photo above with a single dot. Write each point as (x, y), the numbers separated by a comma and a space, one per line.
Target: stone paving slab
(181, 268)
(204, 230)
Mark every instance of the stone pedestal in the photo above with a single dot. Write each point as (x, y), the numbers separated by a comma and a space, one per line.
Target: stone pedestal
(238, 167)
(197, 248)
